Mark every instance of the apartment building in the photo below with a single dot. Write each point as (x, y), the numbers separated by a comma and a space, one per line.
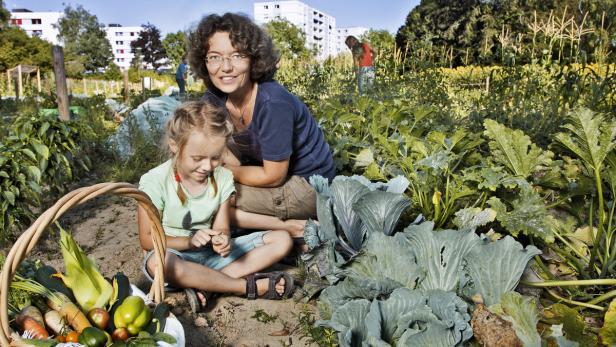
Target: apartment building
(343, 33)
(120, 38)
(41, 24)
(320, 27)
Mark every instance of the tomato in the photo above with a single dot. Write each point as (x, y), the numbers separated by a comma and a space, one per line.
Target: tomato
(61, 338)
(99, 317)
(73, 336)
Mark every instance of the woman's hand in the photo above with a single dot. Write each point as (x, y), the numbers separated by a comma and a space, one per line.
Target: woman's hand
(221, 244)
(202, 237)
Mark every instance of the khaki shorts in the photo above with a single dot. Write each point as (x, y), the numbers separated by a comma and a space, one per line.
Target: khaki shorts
(296, 199)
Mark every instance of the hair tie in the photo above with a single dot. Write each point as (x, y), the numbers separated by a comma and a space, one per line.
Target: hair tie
(177, 176)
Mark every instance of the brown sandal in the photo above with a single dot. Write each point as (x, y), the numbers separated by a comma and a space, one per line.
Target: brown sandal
(271, 294)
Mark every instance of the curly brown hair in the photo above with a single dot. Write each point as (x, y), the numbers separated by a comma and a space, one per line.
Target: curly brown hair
(246, 36)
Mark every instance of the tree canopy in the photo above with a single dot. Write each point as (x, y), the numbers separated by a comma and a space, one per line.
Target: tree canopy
(16, 47)
(85, 43)
(5, 15)
(289, 39)
(501, 31)
(149, 47)
(175, 46)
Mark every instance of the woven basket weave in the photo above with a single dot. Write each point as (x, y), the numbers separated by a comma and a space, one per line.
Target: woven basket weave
(30, 237)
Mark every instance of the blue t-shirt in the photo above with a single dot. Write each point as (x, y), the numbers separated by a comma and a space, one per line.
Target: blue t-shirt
(179, 73)
(282, 128)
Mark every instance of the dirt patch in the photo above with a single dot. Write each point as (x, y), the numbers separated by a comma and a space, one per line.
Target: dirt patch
(106, 228)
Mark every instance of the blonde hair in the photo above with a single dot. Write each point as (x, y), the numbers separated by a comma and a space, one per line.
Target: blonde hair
(201, 116)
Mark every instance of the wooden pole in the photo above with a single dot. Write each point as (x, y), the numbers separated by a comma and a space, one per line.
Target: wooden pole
(38, 80)
(8, 78)
(20, 83)
(85, 87)
(126, 87)
(96, 87)
(61, 90)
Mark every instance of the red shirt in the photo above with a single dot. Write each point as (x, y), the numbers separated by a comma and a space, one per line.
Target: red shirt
(366, 58)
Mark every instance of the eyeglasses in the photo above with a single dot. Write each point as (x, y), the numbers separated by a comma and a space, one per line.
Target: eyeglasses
(236, 59)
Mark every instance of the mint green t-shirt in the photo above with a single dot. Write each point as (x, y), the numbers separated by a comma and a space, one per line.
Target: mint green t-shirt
(198, 211)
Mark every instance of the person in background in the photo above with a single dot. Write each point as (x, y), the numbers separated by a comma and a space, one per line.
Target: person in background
(362, 59)
(181, 75)
(279, 143)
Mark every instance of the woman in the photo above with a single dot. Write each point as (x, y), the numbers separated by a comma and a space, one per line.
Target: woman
(279, 144)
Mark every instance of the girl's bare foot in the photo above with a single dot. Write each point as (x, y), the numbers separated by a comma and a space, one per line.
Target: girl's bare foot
(262, 286)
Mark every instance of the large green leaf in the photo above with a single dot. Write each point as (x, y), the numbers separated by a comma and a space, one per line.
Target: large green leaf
(528, 216)
(349, 322)
(473, 217)
(514, 149)
(570, 323)
(440, 254)
(380, 210)
(590, 137)
(608, 331)
(496, 267)
(382, 259)
(522, 312)
(345, 191)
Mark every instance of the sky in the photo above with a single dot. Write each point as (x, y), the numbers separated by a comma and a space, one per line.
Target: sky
(174, 15)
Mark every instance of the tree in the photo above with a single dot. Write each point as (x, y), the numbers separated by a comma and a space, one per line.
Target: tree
(5, 15)
(149, 46)
(289, 39)
(85, 41)
(16, 47)
(175, 46)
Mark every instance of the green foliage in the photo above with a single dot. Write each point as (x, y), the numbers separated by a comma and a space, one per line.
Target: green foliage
(174, 45)
(39, 156)
(149, 47)
(5, 15)
(522, 312)
(289, 39)
(16, 47)
(313, 334)
(85, 42)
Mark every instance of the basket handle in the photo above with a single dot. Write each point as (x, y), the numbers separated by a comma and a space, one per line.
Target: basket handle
(31, 236)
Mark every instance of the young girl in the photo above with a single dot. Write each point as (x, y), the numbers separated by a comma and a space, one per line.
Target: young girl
(191, 192)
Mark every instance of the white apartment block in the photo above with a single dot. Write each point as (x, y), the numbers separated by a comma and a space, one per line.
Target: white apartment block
(120, 38)
(320, 28)
(343, 33)
(41, 24)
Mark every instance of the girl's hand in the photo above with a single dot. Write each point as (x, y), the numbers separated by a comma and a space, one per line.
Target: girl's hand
(202, 237)
(221, 244)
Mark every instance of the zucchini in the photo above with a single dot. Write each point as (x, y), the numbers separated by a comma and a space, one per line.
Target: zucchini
(159, 318)
(44, 276)
(122, 283)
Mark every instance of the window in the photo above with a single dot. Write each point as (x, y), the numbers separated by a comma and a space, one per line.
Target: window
(122, 59)
(277, 6)
(117, 60)
(16, 21)
(119, 43)
(265, 7)
(37, 33)
(120, 51)
(119, 33)
(36, 21)
(132, 33)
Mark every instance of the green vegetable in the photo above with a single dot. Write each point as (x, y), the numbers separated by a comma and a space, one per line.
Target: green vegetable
(93, 337)
(121, 290)
(133, 315)
(47, 276)
(159, 318)
(90, 288)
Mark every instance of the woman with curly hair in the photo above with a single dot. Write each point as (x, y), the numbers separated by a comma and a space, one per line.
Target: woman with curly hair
(279, 144)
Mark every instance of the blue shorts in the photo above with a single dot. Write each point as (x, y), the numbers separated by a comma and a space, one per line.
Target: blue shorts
(206, 255)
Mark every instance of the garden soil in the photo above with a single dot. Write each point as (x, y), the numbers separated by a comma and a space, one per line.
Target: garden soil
(106, 229)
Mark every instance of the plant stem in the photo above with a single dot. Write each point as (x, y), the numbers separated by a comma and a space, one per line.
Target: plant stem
(571, 283)
(603, 297)
(573, 302)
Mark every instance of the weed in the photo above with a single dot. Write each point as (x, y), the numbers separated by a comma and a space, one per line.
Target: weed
(264, 317)
(312, 333)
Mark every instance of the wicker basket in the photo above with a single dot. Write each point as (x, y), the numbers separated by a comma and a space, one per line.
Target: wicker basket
(30, 237)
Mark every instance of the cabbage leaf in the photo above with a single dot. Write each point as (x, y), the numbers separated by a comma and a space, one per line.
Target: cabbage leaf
(380, 210)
